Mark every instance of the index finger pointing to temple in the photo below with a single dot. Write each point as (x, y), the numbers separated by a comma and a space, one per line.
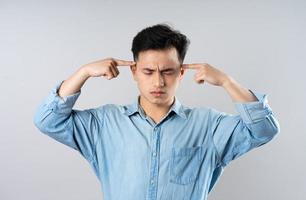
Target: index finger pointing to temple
(124, 62)
(190, 66)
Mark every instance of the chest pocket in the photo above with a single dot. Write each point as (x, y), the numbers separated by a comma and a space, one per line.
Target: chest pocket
(184, 164)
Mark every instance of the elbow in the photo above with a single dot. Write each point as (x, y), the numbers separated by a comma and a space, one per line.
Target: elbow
(267, 129)
(42, 119)
(274, 126)
(38, 122)
(51, 123)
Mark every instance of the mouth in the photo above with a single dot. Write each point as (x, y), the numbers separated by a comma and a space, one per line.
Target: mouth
(157, 93)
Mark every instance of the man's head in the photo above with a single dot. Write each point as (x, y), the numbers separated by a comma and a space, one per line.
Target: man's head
(159, 52)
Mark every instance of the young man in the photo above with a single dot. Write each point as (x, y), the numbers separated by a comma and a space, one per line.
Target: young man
(157, 148)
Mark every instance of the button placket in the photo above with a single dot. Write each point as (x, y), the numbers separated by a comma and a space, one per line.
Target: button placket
(154, 165)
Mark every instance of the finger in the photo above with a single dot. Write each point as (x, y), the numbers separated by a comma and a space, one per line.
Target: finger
(124, 62)
(107, 75)
(114, 69)
(199, 80)
(191, 66)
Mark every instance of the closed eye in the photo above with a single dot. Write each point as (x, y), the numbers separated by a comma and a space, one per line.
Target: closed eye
(168, 72)
(147, 72)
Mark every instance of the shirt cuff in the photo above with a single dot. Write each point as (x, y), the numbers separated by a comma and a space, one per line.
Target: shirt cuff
(252, 112)
(61, 104)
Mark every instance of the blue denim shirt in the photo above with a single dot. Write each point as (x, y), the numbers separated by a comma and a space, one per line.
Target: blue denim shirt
(134, 158)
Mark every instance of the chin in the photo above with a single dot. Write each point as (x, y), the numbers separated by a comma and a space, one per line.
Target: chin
(158, 100)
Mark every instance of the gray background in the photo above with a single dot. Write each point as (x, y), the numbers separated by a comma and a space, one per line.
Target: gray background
(260, 43)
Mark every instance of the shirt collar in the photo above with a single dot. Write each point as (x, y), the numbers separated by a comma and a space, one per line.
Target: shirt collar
(135, 107)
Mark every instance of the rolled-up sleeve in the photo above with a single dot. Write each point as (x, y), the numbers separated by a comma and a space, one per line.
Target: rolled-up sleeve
(77, 129)
(234, 135)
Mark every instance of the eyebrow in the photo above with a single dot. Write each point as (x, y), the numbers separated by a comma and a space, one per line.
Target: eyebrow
(166, 69)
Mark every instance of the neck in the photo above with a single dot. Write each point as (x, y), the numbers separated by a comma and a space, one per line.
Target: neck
(155, 110)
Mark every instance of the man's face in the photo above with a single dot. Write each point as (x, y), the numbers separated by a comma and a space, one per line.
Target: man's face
(158, 71)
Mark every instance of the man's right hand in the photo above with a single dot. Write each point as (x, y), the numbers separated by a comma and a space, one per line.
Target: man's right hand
(106, 67)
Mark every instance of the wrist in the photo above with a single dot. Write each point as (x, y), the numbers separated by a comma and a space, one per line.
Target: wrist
(84, 72)
(227, 81)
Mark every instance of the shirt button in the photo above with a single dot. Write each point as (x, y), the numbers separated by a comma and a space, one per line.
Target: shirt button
(154, 154)
(152, 181)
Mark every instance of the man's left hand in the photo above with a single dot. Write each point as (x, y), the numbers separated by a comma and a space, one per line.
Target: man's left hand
(208, 73)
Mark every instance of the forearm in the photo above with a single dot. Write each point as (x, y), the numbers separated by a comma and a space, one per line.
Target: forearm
(74, 83)
(237, 92)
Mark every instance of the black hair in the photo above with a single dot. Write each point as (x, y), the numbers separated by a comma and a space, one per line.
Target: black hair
(160, 37)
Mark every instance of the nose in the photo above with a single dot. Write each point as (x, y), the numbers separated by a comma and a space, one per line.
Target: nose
(159, 80)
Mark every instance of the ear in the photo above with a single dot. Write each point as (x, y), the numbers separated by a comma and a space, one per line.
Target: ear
(182, 72)
(133, 70)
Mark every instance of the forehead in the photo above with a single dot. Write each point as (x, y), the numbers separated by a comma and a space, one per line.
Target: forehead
(158, 58)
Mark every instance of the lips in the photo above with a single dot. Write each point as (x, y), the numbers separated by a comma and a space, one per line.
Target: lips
(158, 92)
